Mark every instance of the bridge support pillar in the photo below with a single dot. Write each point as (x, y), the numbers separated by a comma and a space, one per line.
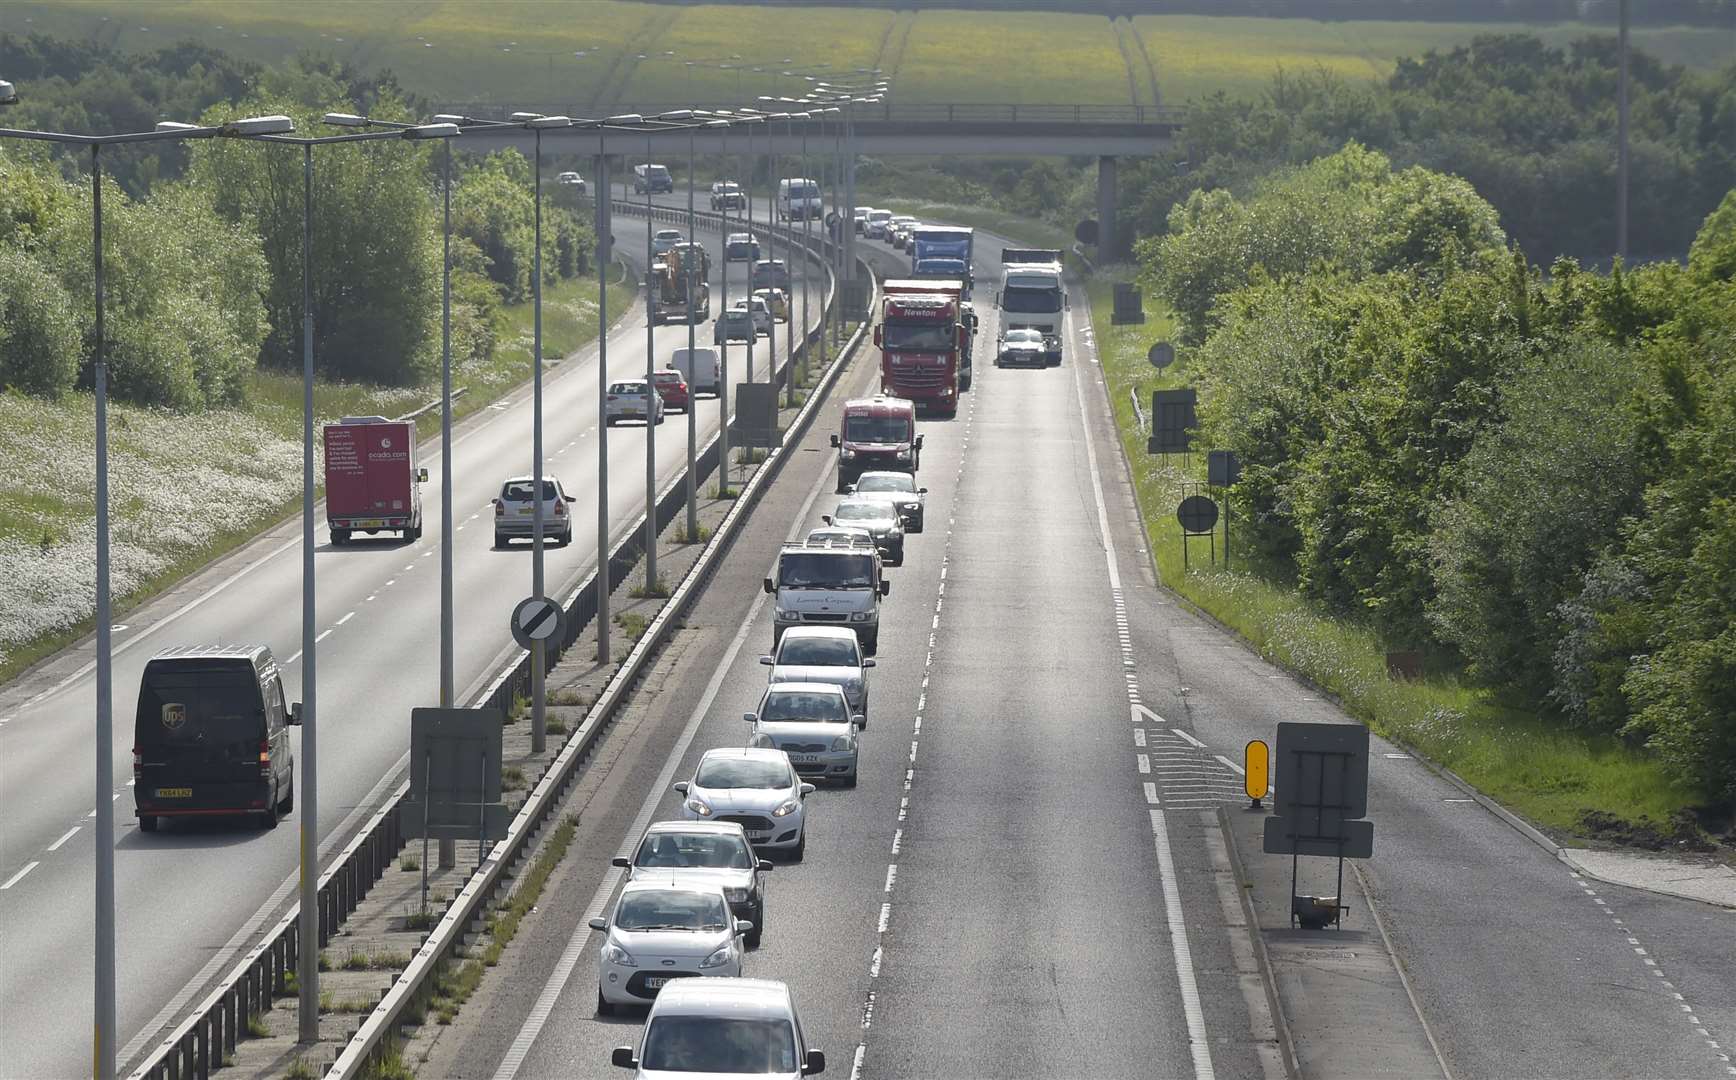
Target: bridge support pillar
(1108, 243)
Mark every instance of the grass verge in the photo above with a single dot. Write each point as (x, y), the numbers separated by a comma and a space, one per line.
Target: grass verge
(1553, 776)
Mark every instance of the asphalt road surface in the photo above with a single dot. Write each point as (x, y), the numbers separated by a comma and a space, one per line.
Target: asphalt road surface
(190, 897)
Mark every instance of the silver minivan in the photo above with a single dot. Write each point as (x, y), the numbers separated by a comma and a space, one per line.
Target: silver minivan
(828, 585)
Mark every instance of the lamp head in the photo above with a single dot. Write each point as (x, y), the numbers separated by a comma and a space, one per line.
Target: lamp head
(260, 125)
(338, 119)
(432, 131)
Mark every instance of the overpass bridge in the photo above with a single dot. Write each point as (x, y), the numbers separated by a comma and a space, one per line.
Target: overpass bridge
(1106, 132)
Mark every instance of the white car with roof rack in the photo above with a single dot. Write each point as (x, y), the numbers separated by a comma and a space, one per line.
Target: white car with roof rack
(706, 1028)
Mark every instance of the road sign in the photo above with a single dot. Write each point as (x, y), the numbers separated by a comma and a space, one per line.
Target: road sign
(1257, 771)
(756, 416)
(1223, 468)
(1161, 355)
(537, 618)
(1129, 304)
(1086, 231)
(455, 775)
(1173, 419)
(1321, 792)
(1198, 515)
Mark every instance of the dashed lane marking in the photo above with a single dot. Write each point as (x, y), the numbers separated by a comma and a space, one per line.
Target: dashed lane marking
(19, 876)
(64, 837)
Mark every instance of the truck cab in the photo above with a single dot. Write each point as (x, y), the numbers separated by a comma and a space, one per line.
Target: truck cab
(943, 251)
(830, 583)
(922, 337)
(876, 433)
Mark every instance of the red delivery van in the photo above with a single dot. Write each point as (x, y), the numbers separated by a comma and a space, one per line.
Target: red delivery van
(371, 478)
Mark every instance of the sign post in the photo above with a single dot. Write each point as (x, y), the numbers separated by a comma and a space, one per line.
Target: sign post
(1320, 808)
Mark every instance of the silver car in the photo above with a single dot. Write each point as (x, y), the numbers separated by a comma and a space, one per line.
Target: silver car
(880, 519)
(756, 788)
(813, 724)
(705, 853)
(664, 239)
(632, 399)
(662, 931)
(515, 512)
(823, 654)
(899, 489)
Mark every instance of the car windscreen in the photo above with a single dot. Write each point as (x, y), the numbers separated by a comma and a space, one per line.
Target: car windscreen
(862, 511)
(1045, 300)
(520, 490)
(710, 851)
(734, 772)
(887, 482)
(817, 652)
(671, 909)
(719, 1044)
(917, 337)
(877, 429)
(784, 706)
(627, 388)
(828, 570)
(211, 705)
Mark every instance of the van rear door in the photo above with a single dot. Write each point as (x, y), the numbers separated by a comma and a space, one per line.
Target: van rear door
(199, 732)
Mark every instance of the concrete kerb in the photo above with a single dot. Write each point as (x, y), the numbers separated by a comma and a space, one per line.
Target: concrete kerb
(1285, 1043)
(383, 1021)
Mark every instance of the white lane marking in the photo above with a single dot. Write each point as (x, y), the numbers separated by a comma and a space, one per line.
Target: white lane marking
(19, 876)
(64, 837)
(370, 597)
(345, 619)
(326, 633)
(292, 659)
(1150, 792)
(1144, 761)
(1197, 745)
(1141, 710)
(544, 1007)
(1184, 969)
(1139, 736)
(891, 876)
(1096, 480)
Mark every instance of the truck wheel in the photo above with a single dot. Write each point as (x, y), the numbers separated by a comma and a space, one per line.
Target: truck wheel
(413, 534)
(499, 540)
(871, 644)
(340, 537)
(268, 816)
(148, 822)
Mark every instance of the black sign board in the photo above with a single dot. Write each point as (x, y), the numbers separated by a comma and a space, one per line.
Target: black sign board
(1320, 793)
(1172, 421)
(1161, 355)
(1223, 468)
(1085, 232)
(756, 416)
(454, 775)
(1129, 304)
(1197, 514)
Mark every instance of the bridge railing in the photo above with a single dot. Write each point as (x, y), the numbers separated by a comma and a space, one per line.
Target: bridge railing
(884, 112)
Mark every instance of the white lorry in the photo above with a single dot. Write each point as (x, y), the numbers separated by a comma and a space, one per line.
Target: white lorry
(1033, 295)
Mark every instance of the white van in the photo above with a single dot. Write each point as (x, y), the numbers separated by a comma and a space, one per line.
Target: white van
(828, 584)
(798, 199)
(700, 368)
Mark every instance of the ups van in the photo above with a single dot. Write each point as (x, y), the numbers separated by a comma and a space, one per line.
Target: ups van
(211, 737)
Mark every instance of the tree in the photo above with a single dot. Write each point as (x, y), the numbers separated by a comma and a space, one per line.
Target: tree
(39, 339)
(375, 255)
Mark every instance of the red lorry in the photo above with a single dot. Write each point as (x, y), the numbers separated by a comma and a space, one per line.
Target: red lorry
(371, 478)
(924, 338)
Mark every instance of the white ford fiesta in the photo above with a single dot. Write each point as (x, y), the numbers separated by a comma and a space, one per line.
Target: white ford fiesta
(757, 788)
(663, 930)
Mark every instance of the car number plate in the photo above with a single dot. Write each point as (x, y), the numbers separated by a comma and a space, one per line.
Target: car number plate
(371, 523)
(752, 835)
(526, 511)
(805, 759)
(656, 982)
(174, 793)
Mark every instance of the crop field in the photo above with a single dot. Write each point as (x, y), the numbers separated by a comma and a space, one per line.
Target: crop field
(573, 55)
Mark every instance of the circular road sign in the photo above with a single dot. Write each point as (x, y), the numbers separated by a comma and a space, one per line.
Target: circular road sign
(832, 217)
(1161, 355)
(1086, 231)
(537, 618)
(1197, 514)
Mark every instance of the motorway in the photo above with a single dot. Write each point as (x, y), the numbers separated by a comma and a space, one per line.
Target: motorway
(1025, 883)
(189, 897)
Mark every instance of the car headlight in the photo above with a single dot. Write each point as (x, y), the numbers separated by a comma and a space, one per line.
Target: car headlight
(735, 896)
(761, 741)
(614, 954)
(719, 958)
(787, 808)
(848, 454)
(860, 616)
(844, 743)
(699, 807)
(904, 455)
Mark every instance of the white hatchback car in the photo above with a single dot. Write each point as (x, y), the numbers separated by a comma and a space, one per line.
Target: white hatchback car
(632, 399)
(755, 787)
(705, 853)
(664, 239)
(722, 1027)
(661, 931)
(823, 654)
(813, 724)
(762, 314)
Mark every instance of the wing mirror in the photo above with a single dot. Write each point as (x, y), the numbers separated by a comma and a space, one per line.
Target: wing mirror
(922, 491)
(750, 717)
(877, 337)
(572, 498)
(294, 718)
(764, 864)
(681, 788)
(622, 1058)
(918, 442)
(421, 476)
(743, 926)
(769, 587)
(834, 441)
(598, 924)
(860, 720)
(622, 861)
(807, 789)
(827, 518)
(766, 660)
(814, 1066)
(868, 663)
(885, 587)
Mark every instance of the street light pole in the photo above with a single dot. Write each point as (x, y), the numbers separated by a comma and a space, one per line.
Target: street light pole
(723, 347)
(103, 1067)
(307, 951)
(653, 400)
(605, 257)
(1621, 183)
(692, 395)
(446, 691)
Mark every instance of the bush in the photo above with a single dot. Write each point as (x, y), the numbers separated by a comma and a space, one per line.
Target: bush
(39, 338)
